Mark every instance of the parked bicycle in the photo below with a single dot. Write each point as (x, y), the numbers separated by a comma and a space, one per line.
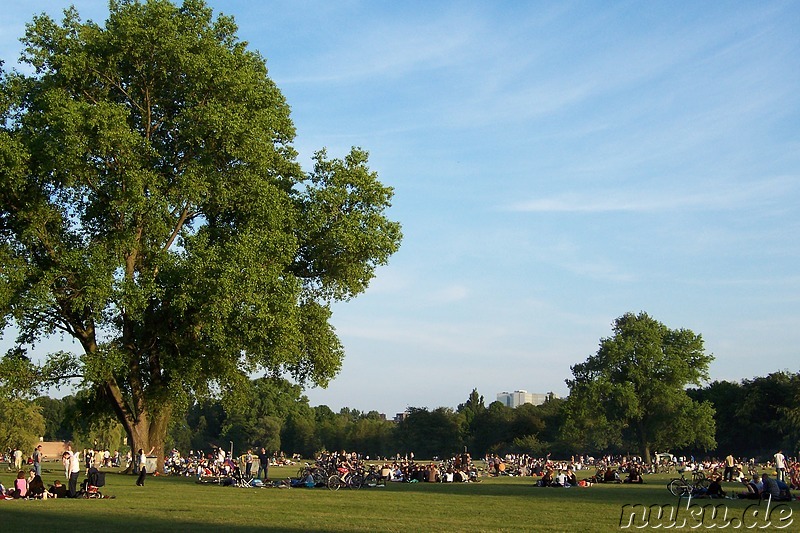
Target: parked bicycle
(682, 486)
(351, 480)
(665, 468)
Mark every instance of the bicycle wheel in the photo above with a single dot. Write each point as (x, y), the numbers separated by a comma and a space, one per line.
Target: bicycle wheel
(371, 480)
(355, 481)
(334, 482)
(702, 483)
(678, 487)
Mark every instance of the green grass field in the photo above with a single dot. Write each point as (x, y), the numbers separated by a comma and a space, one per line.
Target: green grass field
(494, 504)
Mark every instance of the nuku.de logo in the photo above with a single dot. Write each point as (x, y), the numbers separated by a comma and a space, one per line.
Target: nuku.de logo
(759, 515)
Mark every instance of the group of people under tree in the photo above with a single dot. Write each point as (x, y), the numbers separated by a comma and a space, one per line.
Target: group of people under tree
(33, 487)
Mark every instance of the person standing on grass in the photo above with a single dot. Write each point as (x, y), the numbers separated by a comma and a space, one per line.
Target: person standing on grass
(72, 467)
(17, 459)
(780, 465)
(729, 464)
(263, 465)
(248, 464)
(143, 465)
(37, 460)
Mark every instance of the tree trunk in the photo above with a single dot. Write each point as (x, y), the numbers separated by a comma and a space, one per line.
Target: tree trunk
(646, 450)
(148, 432)
(147, 429)
(644, 444)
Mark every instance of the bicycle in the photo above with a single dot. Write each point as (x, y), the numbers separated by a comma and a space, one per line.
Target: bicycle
(372, 478)
(681, 486)
(665, 468)
(351, 480)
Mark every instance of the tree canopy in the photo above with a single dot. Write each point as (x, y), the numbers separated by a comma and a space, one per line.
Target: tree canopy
(152, 208)
(632, 393)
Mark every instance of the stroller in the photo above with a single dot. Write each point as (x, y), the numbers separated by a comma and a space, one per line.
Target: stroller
(90, 488)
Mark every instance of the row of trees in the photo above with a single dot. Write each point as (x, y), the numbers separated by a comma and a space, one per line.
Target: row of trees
(752, 418)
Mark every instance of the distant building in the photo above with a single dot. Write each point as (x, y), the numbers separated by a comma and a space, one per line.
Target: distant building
(520, 397)
(399, 417)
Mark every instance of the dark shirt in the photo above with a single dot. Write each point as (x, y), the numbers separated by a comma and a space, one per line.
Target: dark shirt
(715, 489)
(263, 461)
(36, 486)
(60, 491)
(771, 487)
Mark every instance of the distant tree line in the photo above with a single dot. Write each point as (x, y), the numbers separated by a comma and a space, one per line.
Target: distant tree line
(753, 418)
(645, 391)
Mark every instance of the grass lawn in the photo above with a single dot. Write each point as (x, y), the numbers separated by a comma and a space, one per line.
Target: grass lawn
(495, 504)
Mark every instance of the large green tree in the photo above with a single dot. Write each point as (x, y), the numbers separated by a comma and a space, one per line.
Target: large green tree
(632, 394)
(152, 209)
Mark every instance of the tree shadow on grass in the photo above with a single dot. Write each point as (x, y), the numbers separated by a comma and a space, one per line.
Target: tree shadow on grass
(24, 516)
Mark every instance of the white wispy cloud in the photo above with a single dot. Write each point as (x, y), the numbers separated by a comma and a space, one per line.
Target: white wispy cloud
(721, 197)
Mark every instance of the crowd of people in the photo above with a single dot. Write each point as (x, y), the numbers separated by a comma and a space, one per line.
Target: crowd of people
(581, 471)
(219, 463)
(632, 469)
(400, 469)
(99, 458)
(456, 469)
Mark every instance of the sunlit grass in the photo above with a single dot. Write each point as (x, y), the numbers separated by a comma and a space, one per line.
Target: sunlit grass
(494, 504)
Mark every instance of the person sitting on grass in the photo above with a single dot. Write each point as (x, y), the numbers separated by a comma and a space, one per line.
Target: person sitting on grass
(58, 490)
(306, 481)
(611, 476)
(776, 489)
(714, 489)
(598, 477)
(36, 487)
(786, 494)
(20, 485)
(571, 479)
(771, 488)
(752, 489)
(634, 476)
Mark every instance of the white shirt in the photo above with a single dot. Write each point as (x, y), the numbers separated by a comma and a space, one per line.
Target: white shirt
(779, 460)
(72, 464)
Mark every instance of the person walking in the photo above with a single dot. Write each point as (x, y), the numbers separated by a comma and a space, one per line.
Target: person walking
(143, 466)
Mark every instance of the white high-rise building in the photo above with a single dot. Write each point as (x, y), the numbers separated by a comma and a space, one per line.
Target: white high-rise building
(519, 397)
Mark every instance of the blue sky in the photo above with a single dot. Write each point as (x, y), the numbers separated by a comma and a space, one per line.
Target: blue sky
(555, 165)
